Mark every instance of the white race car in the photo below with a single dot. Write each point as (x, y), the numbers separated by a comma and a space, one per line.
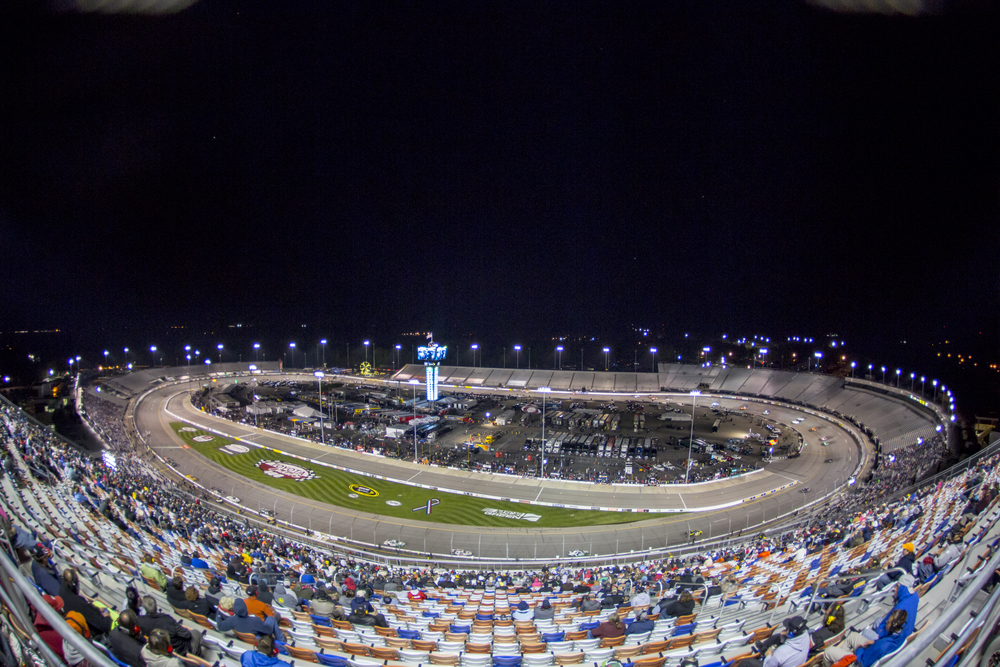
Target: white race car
(394, 544)
(578, 553)
(232, 499)
(460, 552)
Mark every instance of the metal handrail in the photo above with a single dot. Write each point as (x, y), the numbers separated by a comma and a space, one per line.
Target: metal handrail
(910, 652)
(866, 596)
(29, 591)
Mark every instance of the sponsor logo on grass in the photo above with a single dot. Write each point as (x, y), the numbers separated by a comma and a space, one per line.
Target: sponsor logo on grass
(203, 438)
(353, 495)
(393, 503)
(283, 470)
(234, 449)
(189, 428)
(427, 506)
(363, 490)
(504, 514)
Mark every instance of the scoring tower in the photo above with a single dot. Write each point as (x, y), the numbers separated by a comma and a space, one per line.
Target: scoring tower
(432, 355)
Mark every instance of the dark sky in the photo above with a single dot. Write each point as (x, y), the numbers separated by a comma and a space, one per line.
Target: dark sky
(521, 166)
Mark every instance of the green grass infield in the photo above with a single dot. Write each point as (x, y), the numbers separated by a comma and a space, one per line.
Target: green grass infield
(334, 487)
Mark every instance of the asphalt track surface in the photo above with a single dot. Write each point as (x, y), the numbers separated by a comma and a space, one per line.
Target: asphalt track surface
(809, 471)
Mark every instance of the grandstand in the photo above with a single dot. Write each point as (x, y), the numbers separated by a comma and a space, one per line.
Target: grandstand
(895, 417)
(470, 624)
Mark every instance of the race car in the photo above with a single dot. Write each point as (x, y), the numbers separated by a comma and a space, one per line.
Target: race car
(394, 544)
(232, 499)
(694, 533)
(578, 553)
(267, 513)
(461, 552)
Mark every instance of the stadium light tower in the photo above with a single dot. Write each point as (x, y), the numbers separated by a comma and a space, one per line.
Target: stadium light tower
(219, 346)
(256, 351)
(923, 379)
(291, 346)
(934, 382)
(105, 357)
(399, 355)
(517, 350)
(367, 343)
(652, 364)
(544, 390)
(415, 382)
(898, 372)
(152, 354)
(607, 350)
(694, 398)
(323, 343)
(319, 377)
(126, 356)
(473, 348)
(913, 378)
(559, 351)
(883, 375)
(853, 366)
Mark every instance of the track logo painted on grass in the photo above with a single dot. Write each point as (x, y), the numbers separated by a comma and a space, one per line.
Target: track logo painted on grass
(283, 470)
(363, 490)
(393, 503)
(504, 514)
(203, 438)
(234, 449)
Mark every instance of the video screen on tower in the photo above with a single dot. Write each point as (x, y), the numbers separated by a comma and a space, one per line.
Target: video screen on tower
(436, 353)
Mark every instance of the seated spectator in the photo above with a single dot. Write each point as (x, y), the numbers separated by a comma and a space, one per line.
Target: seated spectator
(196, 603)
(865, 650)
(545, 611)
(175, 591)
(126, 639)
(259, 609)
(264, 654)
(682, 606)
(613, 627)
(149, 570)
(45, 630)
(157, 653)
(182, 640)
(98, 620)
(242, 621)
(833, 624)
(590, 604)
(523, 612)
(791, 647)
(43, 572)
(641, 625)
(905, 563)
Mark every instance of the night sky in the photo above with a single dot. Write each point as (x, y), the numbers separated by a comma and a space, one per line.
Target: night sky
(521, 167)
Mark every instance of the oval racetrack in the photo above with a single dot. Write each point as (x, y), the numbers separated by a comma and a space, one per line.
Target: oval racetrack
(658, 531)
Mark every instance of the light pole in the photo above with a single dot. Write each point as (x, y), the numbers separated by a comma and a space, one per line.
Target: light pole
(871, 372)
(70, 361)
(367, 343)
(319, 377)
(652, 365)
(399, 356)
(291, 346)
(256, 351)
(898, 371)
(219, 346)
(323, 343)
(818, 355)
(934, 382)
(923, 379)
(559, 351)
(474, 347)
(152, 354)
(544, 391)
(913, 378)
(415, 382)
(517, 350)
(853, 366)
(105, 357)
(883, 375)
(126, 356)
(694, 398)
(606, 351)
